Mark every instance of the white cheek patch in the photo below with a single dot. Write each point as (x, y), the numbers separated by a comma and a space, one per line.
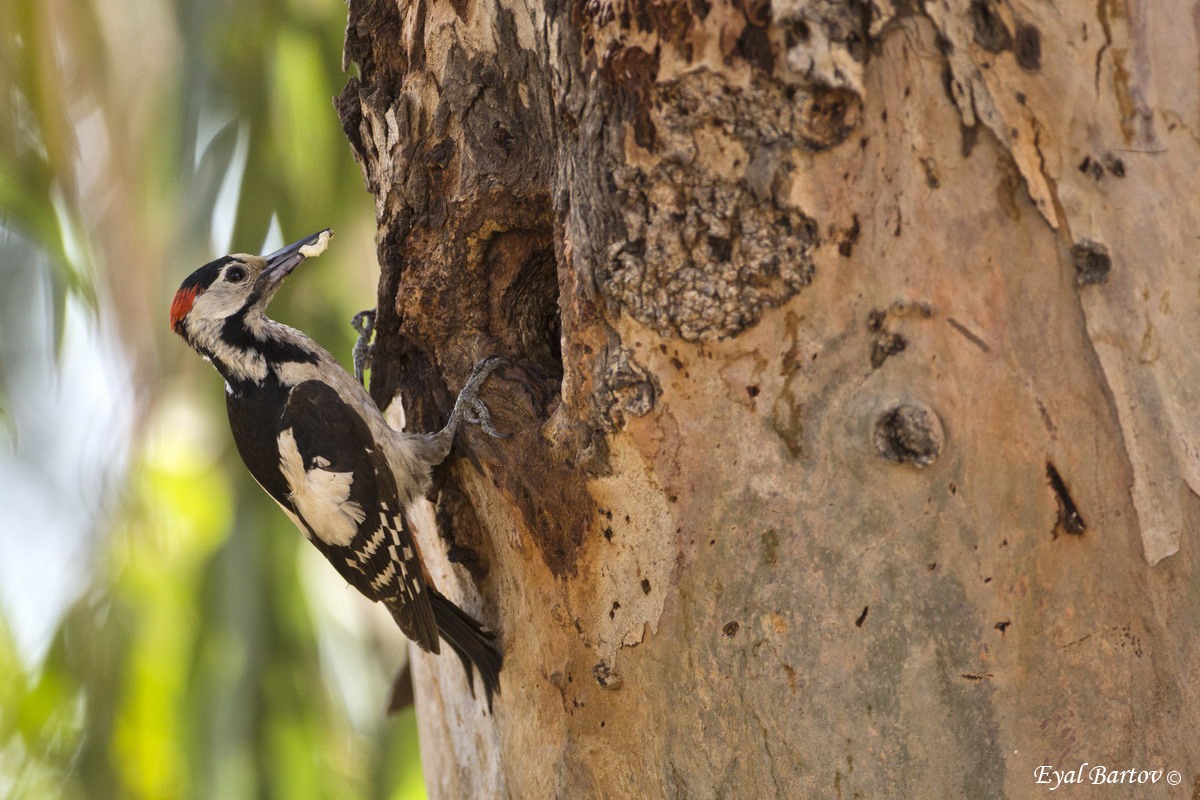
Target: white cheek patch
(322, 497)
(218, 302)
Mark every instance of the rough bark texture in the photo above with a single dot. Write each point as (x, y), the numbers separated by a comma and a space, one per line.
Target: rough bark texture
(855, 387)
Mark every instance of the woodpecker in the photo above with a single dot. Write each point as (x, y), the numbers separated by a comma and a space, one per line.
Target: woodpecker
(315, 441)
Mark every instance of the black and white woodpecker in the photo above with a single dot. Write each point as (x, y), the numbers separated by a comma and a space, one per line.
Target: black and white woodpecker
(315, 441)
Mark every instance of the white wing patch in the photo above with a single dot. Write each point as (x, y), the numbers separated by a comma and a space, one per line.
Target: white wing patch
(322, 497)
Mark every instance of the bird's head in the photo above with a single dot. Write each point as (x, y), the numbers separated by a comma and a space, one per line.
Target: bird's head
(220, 309)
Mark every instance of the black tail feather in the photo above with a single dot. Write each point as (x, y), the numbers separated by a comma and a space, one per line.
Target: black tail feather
(474, 644)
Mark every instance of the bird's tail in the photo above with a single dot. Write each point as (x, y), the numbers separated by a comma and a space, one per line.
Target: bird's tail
(474, 644)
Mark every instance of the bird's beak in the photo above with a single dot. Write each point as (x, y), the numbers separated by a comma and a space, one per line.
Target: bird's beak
(282, 262)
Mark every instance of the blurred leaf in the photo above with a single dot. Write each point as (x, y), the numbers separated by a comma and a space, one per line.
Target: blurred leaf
(193, 667)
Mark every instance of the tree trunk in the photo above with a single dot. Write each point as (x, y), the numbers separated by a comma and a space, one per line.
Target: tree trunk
(854, 389)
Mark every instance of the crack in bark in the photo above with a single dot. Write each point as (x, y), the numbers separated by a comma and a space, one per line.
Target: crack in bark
(1069, 518)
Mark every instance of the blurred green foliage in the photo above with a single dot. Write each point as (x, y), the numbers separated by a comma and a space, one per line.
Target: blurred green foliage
(137, 139)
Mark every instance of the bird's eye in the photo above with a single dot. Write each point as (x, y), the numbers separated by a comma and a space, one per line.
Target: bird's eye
(235, 274)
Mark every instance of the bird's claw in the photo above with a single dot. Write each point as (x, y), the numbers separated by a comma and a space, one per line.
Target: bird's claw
(470, 406)
(478, 414)
(363, 324)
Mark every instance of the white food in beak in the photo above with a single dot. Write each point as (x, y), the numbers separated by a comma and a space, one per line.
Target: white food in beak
(316, 248)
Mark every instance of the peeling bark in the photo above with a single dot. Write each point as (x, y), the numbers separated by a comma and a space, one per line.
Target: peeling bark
(828, 317)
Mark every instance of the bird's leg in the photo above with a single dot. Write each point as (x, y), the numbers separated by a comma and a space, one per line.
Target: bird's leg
(467, 408)
(364, 324)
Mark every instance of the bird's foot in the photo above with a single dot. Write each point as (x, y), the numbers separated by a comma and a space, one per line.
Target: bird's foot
(469, 407)
(363, 324)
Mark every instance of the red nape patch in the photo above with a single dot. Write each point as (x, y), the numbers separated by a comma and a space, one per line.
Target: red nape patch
(182, 305)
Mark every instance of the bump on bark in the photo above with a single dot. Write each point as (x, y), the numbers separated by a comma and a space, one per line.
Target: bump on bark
(1092, 262)
(909, 433)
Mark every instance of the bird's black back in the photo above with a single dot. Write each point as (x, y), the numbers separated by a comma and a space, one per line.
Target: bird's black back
(332, 436)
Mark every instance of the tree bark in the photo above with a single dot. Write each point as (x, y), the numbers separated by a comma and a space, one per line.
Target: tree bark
(853, 395)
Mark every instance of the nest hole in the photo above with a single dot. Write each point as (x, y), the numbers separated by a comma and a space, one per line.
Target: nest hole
(525, 308)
